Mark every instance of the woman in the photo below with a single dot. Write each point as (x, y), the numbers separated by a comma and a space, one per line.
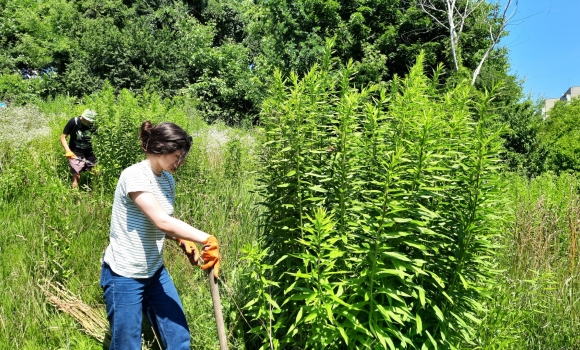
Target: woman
(133, 277)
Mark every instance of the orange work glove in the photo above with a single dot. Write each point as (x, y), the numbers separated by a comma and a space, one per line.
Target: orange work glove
(211, 255)
(70, 155)
(190, 249)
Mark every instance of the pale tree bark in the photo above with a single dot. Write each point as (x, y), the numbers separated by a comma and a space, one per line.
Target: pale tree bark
(456, 15)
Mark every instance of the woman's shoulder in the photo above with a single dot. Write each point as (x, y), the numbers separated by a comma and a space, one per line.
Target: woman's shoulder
(135, 169)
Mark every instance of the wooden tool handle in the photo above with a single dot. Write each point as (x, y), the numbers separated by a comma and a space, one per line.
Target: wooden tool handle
(217, 309)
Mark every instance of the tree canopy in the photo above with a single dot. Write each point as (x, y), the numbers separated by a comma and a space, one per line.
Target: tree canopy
(559, 137)
(225, 51)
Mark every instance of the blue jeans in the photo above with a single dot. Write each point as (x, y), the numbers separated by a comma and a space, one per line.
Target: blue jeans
(128, 298)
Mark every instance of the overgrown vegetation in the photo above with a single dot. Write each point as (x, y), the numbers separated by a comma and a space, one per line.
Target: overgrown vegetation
(51, 233)
(535, 304)
(379, 213)
(377, 205)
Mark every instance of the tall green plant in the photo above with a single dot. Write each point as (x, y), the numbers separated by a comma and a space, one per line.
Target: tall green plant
(119, 120)
(378, 213)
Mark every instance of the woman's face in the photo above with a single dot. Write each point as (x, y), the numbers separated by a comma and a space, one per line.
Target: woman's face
(171, 161)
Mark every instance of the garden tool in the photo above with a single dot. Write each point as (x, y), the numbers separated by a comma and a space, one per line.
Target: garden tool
(87, 162)
(210, 257)
(211, 260)
(71, 155)
(217, 309)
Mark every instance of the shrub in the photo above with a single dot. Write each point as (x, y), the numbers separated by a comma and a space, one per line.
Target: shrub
(379, 214)
(116, 142)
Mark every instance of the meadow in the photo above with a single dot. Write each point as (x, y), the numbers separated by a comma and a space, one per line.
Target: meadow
(53, 237)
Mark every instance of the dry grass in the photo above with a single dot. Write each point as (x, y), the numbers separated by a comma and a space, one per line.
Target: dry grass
(92, 321)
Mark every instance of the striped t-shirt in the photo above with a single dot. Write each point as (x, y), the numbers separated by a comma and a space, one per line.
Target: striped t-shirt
(136, 245)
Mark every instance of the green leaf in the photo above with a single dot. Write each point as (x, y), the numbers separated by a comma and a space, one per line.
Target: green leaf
(471, 317)
(437, 279)
(384, 338)
(389, 314)
(250, 303)
(438, 312)
(343, 334)
(282, 258)
(431, 339)
(317, 188)
(300, 275)
(299, 315)
(310, 317)
(291, 287)
(335, 254)
(465, 283)
(419, 323)
(396, 255)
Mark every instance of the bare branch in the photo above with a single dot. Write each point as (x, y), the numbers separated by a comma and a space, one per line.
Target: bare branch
(430, 7)
(505, 19)
(456, 20)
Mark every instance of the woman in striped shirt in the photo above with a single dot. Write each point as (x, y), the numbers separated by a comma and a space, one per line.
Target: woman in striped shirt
(133, 277)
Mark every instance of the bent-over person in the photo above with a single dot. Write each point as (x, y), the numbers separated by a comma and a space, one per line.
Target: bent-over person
(79, 149)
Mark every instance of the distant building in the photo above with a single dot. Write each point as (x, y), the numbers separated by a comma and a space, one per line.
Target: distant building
(572, 92)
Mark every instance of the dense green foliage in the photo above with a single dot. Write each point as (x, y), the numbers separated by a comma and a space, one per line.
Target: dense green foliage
(55, 233)
(168, 46)
(382, 36)
(379, 213)
(377, 221)
(221, 52)
(559, 144)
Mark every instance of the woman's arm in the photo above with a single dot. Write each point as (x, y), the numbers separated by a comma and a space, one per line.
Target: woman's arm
(171, 226)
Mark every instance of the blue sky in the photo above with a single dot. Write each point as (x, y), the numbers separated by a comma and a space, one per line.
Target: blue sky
(544, 46)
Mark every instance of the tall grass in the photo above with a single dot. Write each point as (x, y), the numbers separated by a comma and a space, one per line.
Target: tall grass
(538, 300)
(51, 233)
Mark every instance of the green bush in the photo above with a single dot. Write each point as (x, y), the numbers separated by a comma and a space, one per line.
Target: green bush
(560, 138)
(379, 214)
(116, 142)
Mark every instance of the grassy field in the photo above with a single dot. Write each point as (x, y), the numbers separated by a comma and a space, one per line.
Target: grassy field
(52, 235)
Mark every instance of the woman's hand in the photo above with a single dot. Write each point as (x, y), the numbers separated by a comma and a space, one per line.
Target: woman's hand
(211, 255)
(190, 250)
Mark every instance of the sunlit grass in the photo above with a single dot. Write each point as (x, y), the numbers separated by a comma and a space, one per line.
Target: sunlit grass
(50, 232)
(53, 233)
(536, 304)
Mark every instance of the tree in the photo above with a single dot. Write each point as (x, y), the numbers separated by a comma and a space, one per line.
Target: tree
(454, 15)
(560, 137)
(382, 36)
(172, 47)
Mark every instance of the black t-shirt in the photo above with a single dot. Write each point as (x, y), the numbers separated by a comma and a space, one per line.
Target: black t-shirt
(80, 137)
